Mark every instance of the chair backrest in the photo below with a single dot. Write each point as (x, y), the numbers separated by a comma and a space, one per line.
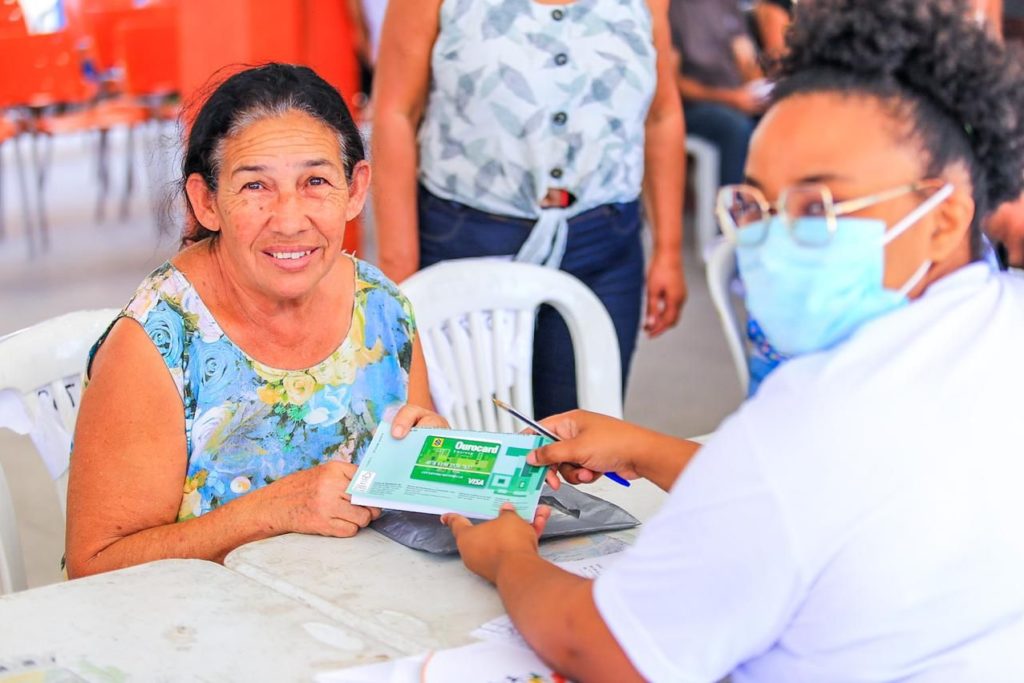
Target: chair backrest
(476, 319)
(721, 272)
(41, 70)
(101, 25)
(12, 20)
(148, 71)
(706, 180)
(41, 370)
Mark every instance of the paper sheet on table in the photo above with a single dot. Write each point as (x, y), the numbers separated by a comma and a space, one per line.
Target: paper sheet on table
(502, 656)
(405, 670)
(36, 669)
(47, 431)
(502, 630)
(486, 662)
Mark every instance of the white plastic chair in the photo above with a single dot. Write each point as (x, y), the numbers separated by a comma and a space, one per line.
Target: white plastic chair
(721, 272)
(706, 179)
(476, 320)
(41, 370)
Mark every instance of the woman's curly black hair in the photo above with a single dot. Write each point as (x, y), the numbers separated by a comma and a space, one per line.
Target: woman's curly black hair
(959, 89)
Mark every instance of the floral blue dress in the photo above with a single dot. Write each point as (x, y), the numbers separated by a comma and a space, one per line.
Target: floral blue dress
(248, 424)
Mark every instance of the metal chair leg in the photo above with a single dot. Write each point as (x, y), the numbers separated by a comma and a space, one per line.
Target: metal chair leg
(40, 164)
(26, 206)
(44, 224)
(103, 175)
(129, 181)
(152, 160)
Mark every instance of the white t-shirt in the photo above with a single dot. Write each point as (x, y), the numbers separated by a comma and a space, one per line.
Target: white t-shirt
(861, 519)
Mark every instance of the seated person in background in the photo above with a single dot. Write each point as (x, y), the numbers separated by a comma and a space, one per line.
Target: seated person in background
(231, 397)
(1006, 226)
(1006, 230)
(773, 18)
(861, 518)
(719, 78)
(990, 13)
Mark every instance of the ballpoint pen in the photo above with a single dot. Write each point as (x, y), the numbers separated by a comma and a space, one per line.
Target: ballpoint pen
(544, 432)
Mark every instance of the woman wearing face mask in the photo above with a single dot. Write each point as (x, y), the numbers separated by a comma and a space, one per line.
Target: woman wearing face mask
(861, 518)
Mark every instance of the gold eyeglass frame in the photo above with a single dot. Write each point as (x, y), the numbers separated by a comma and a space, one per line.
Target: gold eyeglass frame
(833, 209)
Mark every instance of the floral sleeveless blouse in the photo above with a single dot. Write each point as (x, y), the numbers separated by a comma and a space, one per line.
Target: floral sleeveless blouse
(248, 424)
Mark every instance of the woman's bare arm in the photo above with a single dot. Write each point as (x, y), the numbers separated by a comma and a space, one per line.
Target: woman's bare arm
(129, 466)
(664, 182)
(419, 386)
(399, 97)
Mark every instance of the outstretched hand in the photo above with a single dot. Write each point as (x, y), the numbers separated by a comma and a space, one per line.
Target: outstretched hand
(410, 416)
(483, 545)
(590, 445)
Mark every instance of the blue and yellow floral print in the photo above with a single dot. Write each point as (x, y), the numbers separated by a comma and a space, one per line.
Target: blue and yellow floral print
(248, 424)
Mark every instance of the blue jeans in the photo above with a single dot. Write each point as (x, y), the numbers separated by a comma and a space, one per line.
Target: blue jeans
(604, 250)
(727, 129)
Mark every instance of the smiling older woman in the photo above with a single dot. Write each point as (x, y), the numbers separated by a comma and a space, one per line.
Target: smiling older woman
(236, 390)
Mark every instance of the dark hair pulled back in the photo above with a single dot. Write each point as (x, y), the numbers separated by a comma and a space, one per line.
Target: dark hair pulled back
(960, 91)
(254, 94)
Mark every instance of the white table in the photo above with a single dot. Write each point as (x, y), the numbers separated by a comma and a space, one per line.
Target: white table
(177, 620)
(409, 600)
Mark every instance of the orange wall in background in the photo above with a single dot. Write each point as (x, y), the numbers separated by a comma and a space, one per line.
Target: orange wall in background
(318, 33)
(226, 34)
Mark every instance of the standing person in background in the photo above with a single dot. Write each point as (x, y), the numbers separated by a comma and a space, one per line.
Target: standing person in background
(719, 77)
(373, 18)
(526, 129)
(367, 16)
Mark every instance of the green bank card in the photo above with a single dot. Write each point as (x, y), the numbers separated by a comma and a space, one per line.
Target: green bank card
(442, 470)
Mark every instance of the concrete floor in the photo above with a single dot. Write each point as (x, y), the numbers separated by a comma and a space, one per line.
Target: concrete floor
(683, 383)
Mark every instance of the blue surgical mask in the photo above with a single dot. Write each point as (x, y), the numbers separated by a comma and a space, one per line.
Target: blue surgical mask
(808, 299)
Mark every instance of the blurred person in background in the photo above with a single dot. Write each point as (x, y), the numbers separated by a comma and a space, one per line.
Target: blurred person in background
(236, 392)
(860, 519)
(773, 18)
(719, 77)
(1006, 230)
(368, 19)
(1006, 226)
(990, 13)
(526, 129)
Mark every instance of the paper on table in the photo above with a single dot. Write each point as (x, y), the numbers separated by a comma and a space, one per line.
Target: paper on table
(36, 669)
(502, 656)
(488, 662)
(502, 630)
(591, 567)
(405, 670)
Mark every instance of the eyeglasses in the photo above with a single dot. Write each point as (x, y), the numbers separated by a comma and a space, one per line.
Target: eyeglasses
(744, 213)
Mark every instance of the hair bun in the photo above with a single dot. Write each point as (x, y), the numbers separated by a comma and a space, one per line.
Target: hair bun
(930, 49)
